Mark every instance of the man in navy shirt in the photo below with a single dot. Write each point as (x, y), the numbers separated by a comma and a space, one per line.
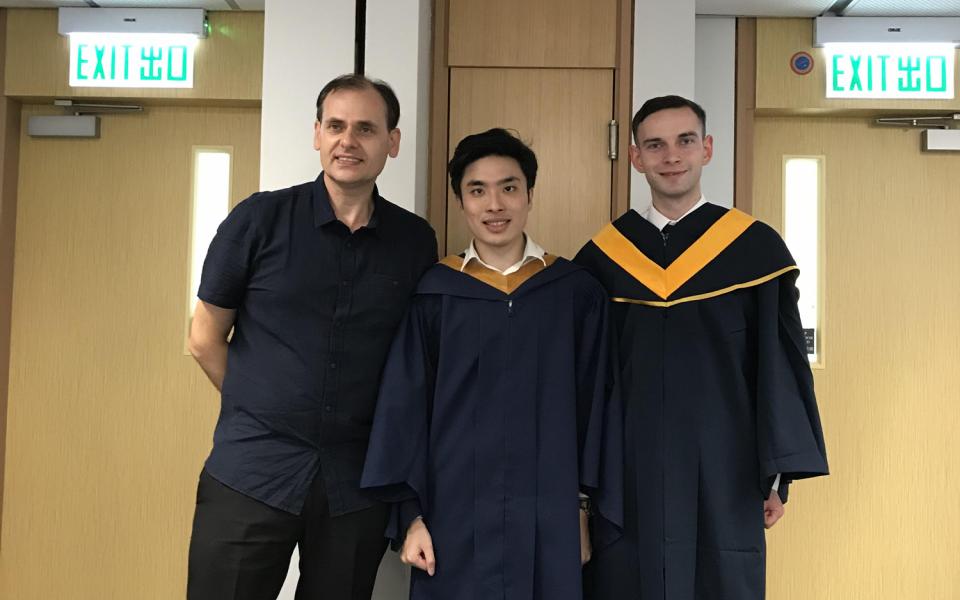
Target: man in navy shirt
(313, 280)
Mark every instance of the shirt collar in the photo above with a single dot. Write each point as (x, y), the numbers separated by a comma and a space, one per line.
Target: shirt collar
(531, 251)
(323, 209)
(659, 220)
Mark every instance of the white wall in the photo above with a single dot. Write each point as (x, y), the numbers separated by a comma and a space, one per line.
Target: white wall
(305, 44)
(676, 52)
(398, 51)
(716, 92)
(664, 42)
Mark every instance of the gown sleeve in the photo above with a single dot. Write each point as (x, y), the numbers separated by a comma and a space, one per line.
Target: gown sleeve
(599, 423)
(395, 470)
(790, 438)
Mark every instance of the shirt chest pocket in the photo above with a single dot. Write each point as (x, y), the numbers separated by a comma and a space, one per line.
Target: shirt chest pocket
(380, 300)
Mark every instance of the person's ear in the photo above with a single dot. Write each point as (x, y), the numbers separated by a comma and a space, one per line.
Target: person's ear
(394, 143)
(635, 159)
(707, 149)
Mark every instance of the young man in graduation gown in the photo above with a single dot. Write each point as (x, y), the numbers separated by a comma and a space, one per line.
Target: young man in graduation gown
(718, 403)
(492, 419)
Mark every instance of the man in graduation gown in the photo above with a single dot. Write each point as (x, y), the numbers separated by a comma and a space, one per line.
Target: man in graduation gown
(493, 411)
(718, 402)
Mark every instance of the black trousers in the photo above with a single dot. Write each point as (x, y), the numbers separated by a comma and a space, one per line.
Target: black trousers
(240, 548)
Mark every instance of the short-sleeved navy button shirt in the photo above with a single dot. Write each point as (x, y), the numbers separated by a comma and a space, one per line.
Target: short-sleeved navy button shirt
(317, 307)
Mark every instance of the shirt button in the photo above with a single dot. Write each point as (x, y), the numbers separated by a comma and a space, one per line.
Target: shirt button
(349, 244)
(328, 408)
(345, 282)
(333, 365)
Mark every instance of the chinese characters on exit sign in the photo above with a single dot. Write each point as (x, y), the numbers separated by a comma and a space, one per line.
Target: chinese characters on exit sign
(890, 71)
(131, 60)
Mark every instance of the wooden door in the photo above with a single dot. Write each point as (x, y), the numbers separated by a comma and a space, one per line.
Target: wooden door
(533, 33)
(885, 525)
(555, 71)
(561, 114)
(109, 421)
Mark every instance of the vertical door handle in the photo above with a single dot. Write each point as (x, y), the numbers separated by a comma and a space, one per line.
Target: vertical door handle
(614, 142)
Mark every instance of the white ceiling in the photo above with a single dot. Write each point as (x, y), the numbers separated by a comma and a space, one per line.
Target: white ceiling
(903, 8)
(813, 8)
(758, 8)
(766, 8)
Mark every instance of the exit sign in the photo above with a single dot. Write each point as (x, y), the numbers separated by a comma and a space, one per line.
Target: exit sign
(890, 71)
(131, 60)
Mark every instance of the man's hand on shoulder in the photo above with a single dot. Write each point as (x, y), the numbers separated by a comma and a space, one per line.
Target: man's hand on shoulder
(417, 548)
(772, 510)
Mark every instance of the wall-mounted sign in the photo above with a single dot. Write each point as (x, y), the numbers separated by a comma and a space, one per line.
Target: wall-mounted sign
(890, 71)
(131, 60)
(801, 63)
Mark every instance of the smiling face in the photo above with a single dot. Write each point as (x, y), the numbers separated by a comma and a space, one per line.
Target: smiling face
(671, 152)
(496, 203)
(353, 138)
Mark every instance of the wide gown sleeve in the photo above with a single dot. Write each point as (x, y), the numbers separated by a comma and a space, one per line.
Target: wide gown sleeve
(395, 470)
(788, 422)
(599, 423)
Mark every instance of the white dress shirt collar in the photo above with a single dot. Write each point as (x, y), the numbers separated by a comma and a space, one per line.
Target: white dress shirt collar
(659, 220)
(531, 251)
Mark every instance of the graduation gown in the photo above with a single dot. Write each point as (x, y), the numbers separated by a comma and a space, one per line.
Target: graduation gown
(717, 399)
(491, 419)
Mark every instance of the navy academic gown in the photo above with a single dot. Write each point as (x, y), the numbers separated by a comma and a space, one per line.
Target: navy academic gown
(717, 399)
(492, 417)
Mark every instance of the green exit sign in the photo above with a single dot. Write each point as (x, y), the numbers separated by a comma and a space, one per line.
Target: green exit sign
(131, 60)
(890, 71)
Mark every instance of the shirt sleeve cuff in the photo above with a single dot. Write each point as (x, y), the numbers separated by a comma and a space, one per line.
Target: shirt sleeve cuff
(409, 511)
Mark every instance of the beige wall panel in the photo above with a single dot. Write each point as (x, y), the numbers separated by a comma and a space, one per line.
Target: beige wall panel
(228, 65)
(9, 160)
(109, 421)
(533, 33)
(886, 524)
(563, 115)
(781, 90)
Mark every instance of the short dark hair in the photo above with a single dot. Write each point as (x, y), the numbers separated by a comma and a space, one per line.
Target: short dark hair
(355, 81)
(664, 102)
(492, 142)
